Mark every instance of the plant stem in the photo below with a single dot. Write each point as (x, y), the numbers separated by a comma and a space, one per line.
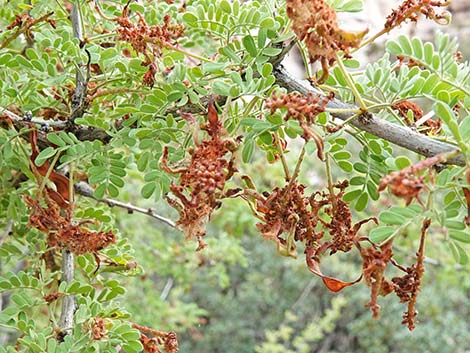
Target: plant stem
(48, 173)
(351, 84)
(373, 38)
(283, 157)
(299, 163)
(192, 55)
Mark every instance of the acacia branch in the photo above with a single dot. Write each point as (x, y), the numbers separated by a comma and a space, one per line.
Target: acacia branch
(78, 101)
(68, 303)
(396, 134)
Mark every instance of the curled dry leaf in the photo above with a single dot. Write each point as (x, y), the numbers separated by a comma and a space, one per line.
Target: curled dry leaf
(333, 284)
(316, 22)
(289, 215)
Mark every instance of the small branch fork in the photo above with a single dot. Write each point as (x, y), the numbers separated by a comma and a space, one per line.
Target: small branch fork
(85, 189)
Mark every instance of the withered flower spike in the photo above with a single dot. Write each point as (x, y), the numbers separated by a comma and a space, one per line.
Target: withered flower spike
(374, 262)
(62, 232)
(407, 287)
(148, 40)
(201, 184)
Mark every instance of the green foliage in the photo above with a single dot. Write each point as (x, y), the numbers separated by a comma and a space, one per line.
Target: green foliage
(147, 94)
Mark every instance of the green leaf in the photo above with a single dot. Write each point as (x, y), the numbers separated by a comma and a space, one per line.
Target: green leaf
(393, 47)
(389, 217)
(221, 87)
(351, 195)
(147, 190)
(56, 140)
(190, 18)
(250, 46)
(402, 162)
(100, 191)
(459, 254)
(361, 202)
(247, 150)
(360, 167)
(342, 155)
(346, 166)
(225, 6)
(267, 23)
(381, 234)
(44, 155)
(444, 112)
(108, 53)
(463, 237)
(267, 69)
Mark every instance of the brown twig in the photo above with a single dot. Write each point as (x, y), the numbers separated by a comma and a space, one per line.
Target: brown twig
(152, 331)
(419, 274)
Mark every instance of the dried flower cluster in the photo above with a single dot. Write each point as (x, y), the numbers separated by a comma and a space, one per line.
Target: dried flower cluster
(316, 22)
(410, 10)
(304, 109)
(168, 340)
(433, 127)
(408, 286)
(148, 40)
(406, 183)
(98, 330)
(201, 184)
(49, 298)
(289, 216)
(56, 218)
(374, 262)
(62, 232)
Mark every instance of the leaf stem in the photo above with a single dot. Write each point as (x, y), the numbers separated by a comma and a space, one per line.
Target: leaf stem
(351, 84)
(187, 53)
(283, 157)
(48, 173)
